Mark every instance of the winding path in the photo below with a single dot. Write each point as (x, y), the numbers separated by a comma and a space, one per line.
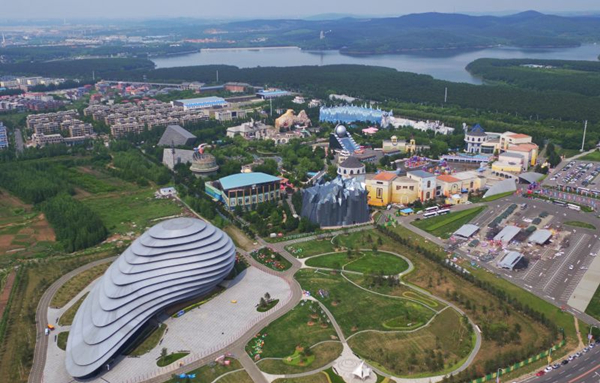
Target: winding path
(237, 348)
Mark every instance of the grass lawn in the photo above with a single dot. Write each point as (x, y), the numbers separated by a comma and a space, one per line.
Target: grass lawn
(66, 319)
(268, 306)
(356, 240)
(593, 156)
(593, 308)
(236, 377)
(61, 342)
(283, 335)
(323, 354)
(363, 262)
(320, 377)
(432, 350)
(131, 212)
(171, 358)
(74, 285)
(149, 342)
(584, 225)
(396, 290)
(443, 226)
(210, 372)
(356, 309)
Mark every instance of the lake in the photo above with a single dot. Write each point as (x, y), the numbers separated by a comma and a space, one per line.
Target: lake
(444, 65)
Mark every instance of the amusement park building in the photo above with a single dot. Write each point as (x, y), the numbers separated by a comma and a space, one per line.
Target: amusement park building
(350, 113)
(176, 260)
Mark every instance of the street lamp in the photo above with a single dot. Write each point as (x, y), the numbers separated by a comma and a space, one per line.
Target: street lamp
(498, 375)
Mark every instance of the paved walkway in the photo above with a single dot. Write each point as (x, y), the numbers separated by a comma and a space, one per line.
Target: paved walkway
(202, 331)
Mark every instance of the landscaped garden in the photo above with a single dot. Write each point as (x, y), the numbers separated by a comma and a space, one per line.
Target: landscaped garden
(149, 340)
(66, 319)
(166, 358)
(584, 225)
(444, 225)
(270, 258)
(341, 242)
(289, 337)
(61, 340)
(356, 309)
(266, 303)
(210, 372)
(74, 285)
(362, 262)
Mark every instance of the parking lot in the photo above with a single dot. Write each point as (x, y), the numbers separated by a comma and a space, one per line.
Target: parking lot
(553, 270)
(576, 175)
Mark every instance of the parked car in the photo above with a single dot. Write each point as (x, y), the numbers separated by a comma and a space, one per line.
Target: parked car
(540, 373)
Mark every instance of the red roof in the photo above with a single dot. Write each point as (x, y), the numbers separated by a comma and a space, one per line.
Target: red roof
(385, 176)
(447, 178)
(519, 135)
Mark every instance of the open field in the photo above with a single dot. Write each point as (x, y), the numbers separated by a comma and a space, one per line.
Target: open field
(444, 225)
(24, 232)
(73, 286)
(324, 353)
(131, 212)
(66, 319)
(356, 309)
(171, 358)
(239, 238)
(291, 330)
(210, 372)
(435, 349)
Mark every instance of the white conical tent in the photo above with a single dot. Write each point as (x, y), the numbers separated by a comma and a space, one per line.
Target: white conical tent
(362, 371)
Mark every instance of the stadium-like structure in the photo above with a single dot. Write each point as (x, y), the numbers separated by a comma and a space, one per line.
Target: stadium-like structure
(175, 260)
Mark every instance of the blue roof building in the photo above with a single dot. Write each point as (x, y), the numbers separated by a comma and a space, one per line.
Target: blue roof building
(244, 189)
(201, 103)
(266, 94)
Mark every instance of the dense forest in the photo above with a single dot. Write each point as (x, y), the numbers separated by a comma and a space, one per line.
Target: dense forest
(580, 77)
(23, 54)
(76, 226)
(81, 69)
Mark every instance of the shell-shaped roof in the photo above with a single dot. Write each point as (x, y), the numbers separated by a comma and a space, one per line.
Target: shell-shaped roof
(173, 261)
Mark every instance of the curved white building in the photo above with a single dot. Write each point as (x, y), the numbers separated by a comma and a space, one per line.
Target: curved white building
(175, 260)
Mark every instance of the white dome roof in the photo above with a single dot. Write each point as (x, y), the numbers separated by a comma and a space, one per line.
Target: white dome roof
(175, 260)
(340, 131)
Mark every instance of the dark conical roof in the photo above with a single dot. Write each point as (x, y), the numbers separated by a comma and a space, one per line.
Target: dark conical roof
(352, 163)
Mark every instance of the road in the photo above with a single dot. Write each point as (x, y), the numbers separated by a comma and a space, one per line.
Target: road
(585, 369)
(41, 319)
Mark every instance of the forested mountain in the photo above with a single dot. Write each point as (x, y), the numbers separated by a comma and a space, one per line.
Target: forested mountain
(425, 31)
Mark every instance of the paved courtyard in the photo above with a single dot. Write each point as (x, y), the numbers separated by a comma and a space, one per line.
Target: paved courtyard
(202, 331)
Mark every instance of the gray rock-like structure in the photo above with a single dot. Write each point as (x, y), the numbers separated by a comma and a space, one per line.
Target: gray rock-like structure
(175, 260)
(340, 202)
(175, 135)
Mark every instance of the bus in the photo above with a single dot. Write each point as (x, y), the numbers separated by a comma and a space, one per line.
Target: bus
(443, 211)
(430, 214)
(433, 208)
(574, 207)
(559, 202)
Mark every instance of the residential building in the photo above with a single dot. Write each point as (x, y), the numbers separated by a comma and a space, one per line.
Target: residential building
(249, 130)
(229, 115)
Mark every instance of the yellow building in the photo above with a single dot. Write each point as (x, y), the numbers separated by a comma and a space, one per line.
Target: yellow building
(530, 151)
(393, 145)
(405, 190)
(379, 188)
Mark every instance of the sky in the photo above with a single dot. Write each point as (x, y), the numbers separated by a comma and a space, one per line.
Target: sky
(211, 9)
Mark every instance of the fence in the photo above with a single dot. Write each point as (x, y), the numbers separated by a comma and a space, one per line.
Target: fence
(516, 366)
